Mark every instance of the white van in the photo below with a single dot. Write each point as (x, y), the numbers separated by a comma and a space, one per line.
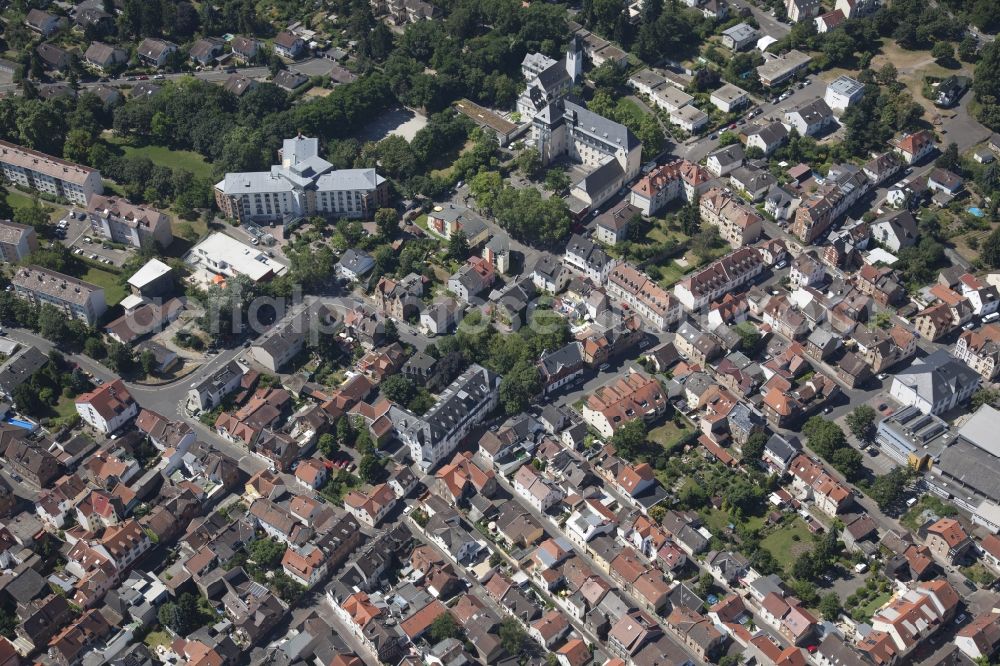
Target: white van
(993, 316)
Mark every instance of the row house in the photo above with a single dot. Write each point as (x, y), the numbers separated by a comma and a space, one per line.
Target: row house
(912, 617)
(948, 542)
(883, 349)
(644, 295)
(585, 256)
(696, 632)
(561, 366)
(540, 493)
(721, 276)
(400, 299)
(738, 223)
(980, 350)
(636, 395)
(696, 345)
(790, 618)
(881, 283)
(679, 179)
(985, 298)
(811, 481)
(370, 509)
(844, 185)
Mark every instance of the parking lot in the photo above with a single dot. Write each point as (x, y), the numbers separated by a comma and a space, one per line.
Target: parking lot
(74, 234)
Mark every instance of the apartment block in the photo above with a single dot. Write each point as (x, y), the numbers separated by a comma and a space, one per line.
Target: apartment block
(48, 174)
(76, 298)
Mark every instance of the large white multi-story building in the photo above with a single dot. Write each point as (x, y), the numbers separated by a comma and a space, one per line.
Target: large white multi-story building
(303, 185)
(45, 173)
(76, 298)
(107, 408)
(434, 436)
(122, 221)
(608, 149)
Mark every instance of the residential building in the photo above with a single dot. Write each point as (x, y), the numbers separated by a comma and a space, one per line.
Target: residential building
(587, 257)
(472, 279)
(78, 299)
(724, 160)
(810, 118)
(372, 507)
(738, 223)
(679, 179)
(48, 174)
(738, 37)
(154, 52)
(108, 407)
(914, 616)
(980, 350)
(779, 69)
(42, 22)
(121, 221)
(767, 138)
(209, 392)
(914, 147)
(729, 98)
(801, 10)
(549, 80)
(721, 276)
(612, 226)
(980, 638)
(289, 45)
(434, 436)
(844, 185)
(842, 92)
(644, 295)
(948, 542)
(636, 395)
(303, 185)
(104, 57)
(28, 458)
(17, 241)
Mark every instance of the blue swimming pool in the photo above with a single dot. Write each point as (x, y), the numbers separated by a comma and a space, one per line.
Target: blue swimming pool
(27, 425)
(976, 211)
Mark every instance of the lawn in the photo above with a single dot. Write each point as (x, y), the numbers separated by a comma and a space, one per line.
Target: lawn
(670, 274)
(17, 199)
(668, 434)
(876, 603)
(114, 292)
(446, 162)
(718, 521)
(155, 638)
(788, 542)
(175, 159)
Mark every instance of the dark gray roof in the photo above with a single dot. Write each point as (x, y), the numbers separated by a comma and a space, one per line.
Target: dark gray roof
(18, 369)
(601, 178)
(783, 449)
(570, 355)
(591, 253)
(728, 154)
(600, 127)
(937, 376)
(358, 262)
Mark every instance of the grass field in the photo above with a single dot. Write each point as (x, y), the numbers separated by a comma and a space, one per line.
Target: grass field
(446, 162)
(783, 545)
(718, 521)
(17, 199)
(113, 291)
(175, 159)
(667, 434)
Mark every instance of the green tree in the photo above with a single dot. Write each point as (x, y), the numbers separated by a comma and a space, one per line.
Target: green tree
(519, 386)
(120, 356)
(985, 396)
(861, 421)
(512, 637)
(183, 616)
(94, 348)
(989, 249)
(147, 360)
(370, 468)
(327, 444)
(267, 553)
(967, 49)
(824, 436)
(387, 221)
(943, 52)
(630, 439)
(848, 462)
(444, 626)
(753, 449)
(398, 388)
(889, 488)
(829, 606)
(556, 180)
(458, 246)
(529, 162)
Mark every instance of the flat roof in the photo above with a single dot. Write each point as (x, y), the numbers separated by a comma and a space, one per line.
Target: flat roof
(483, 116)
(239, 257)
